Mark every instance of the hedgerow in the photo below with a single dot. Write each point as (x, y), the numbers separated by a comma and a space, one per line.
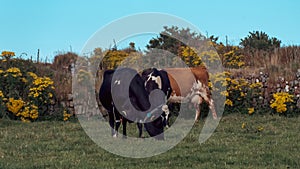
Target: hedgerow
(24, 94)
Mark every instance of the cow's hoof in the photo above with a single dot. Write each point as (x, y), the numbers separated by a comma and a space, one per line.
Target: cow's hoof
(115, 136)
(124, 137)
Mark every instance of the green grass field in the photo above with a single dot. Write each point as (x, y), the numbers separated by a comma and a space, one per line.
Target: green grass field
(265, 142)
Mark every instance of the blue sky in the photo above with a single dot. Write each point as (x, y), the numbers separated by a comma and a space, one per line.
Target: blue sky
(64, 25)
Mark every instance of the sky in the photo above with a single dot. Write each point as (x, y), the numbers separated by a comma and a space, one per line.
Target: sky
(59, 26)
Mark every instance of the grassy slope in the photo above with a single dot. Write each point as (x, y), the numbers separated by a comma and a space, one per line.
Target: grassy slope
(65, 145)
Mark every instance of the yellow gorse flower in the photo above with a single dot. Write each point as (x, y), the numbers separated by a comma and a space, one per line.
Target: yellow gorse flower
(225, 93)
(33, 75)
(260, 128)
(15, 72)
(7, 54)
(14, 106)
(1, 94)
(40, 84)
(18, 107)
(66, 115)
(280, 100)
(251, 110)
(228, 102)
(243, 125)
(256, 85)
(4, 53)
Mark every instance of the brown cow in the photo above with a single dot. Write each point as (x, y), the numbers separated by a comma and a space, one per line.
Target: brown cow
(191, 85)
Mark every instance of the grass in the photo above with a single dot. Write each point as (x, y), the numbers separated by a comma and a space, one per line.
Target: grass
(265, 142)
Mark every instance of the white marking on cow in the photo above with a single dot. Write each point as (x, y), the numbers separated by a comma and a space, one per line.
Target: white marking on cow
(149, 77)
(165, 108)
(195, 99)
(178, 99)
(117, 82)
(157, 80)
(199, 92)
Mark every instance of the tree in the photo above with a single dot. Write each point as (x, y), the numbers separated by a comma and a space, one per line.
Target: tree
(181, 43)
(172, 39)
(260, 40)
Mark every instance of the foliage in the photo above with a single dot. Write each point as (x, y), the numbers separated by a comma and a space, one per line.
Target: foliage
(173, 38)
(7, 55)
(190, 57)
(282, 103)
(234, 58)
(184, 45)
(113, 58)
(24, 95)
(260, 40)
(241, 96)
(66, 115)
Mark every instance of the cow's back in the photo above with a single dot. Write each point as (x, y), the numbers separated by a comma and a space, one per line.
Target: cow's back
(183, 79)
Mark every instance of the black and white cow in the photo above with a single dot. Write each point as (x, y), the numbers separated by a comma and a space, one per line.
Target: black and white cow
(158, 79)
(123, 95)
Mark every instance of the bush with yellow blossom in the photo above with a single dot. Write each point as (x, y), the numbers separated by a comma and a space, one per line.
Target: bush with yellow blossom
(282, 103)
(241, 96)
(24, 95)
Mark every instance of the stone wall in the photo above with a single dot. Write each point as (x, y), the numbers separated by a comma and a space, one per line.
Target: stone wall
(280, 84)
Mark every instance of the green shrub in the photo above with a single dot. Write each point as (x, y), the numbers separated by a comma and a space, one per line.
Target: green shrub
(24, 95)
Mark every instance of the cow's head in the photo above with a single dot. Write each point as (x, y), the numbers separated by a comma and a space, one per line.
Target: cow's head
(152, 79)
(156, 128)
(158, 80)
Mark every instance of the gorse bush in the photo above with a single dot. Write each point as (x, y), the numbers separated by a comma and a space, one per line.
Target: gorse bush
(240, 94)
(244, 96)
(284, 103)
(23, 94)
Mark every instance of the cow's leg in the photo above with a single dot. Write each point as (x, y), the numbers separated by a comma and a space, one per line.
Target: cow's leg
(118, 123)
(166, 113)
(197, 108)
(140, 128)
(207, 97)
(196, 101)
(211, 106)
(124, 123)
(112, 122)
